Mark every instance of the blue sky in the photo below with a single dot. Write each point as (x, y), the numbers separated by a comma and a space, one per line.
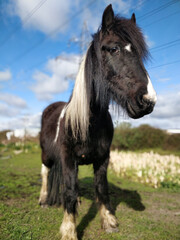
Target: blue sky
(40, 53)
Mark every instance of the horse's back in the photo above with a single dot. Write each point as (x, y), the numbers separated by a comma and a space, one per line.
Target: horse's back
(51, 111)
(49, 123)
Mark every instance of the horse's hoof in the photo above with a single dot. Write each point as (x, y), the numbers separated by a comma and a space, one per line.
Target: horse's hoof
(44, 205)
(108, 220)
(112, 230)
(69, 238)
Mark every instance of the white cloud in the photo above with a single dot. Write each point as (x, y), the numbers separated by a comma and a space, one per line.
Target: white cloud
(93, 17)
(23, 122)
(166, 114)
(149, 42)
(163, 80)
(31, 121)
(5, 75)
(167, 106)
(10, 106)
(54, 15)
(6, 111)
(13, 100)
(61, 69)
(49, 16)
(139, 4)
(122, 6)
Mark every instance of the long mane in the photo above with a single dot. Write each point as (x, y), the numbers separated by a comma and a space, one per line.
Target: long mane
(77, 111)
(89, 80)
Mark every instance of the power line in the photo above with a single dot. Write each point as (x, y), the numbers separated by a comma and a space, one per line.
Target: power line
(153, 49)
(159, 20)
(165, 45)
(33, 11)
(52, 33)
(164, 48)
(24, 21)
(156, 10)
(166, 64)
(57, 29)
(172, 45)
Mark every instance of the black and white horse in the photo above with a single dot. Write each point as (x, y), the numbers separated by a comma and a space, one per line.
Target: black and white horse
(81, 130)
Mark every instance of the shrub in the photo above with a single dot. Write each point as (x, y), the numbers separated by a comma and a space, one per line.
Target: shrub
(172, 142)
(144, 137)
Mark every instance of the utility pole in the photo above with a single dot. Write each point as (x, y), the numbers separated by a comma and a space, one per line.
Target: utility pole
(83, 41)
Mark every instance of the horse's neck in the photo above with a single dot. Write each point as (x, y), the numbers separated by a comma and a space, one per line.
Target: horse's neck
(96, 108)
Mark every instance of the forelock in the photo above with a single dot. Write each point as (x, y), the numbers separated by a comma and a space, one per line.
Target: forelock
(129, 32)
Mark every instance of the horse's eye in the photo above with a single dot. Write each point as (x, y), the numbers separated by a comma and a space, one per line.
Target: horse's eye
(111, 50)
(114, 49)
(103, 48)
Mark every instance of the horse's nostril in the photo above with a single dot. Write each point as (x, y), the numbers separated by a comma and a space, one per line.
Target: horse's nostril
(152, 98)
(140, 100)
(148, 101)
(148, 104)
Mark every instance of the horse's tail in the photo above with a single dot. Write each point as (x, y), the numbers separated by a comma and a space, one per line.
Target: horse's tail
(54, 182)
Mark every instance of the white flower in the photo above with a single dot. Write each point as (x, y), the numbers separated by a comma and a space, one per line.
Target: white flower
(148, 168)
(139, 174)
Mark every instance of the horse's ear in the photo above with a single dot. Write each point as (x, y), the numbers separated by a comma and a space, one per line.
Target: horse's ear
(108, 17)
(133, 18)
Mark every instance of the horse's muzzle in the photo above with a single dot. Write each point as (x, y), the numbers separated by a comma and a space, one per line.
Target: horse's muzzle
(143, 106)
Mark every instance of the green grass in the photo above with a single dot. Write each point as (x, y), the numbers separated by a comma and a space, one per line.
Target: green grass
(143, 213)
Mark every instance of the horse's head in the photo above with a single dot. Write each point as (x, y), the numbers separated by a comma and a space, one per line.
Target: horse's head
(123, 50)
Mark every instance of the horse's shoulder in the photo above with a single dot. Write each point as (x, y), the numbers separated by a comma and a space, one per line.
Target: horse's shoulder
(57, 106)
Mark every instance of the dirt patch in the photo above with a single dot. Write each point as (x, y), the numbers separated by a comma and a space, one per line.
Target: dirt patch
(163, 206)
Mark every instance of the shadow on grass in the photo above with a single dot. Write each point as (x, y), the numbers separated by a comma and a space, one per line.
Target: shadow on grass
(117, 195)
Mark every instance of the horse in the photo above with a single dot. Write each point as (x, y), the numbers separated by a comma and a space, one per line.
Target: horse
(80, 131)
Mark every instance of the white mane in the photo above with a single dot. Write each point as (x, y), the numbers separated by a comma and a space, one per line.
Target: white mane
(77, 112)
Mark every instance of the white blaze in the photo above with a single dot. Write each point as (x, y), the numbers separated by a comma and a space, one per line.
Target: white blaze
(151, 94)
(128, 47)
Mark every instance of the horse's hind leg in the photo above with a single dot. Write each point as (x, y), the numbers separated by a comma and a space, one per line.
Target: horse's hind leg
(108, 220)
(44, 188)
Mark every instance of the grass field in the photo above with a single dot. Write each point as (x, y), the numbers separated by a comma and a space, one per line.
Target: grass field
(144, 213)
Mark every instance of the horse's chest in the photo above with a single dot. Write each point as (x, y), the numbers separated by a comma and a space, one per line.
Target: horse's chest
(84, 153)
(90, 152)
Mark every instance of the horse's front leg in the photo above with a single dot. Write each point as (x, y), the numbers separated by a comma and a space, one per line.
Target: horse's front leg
(108, 220)
(69, 198)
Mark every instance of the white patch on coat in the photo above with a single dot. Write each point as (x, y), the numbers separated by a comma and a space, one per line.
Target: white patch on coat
(44, 170)
(61, 115)
(151, 94)
(108, 221)
(68, 227)
(128, 47)
(44, 188)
